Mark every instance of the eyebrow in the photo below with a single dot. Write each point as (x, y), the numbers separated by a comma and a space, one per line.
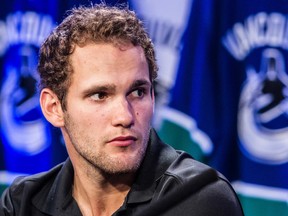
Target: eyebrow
(138, 83)
(100, 88)
(112, 87)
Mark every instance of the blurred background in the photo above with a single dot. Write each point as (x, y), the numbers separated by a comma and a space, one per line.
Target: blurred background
(222, 90)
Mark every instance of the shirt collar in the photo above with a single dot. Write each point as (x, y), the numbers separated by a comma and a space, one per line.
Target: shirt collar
(156, 161)
(59, 197)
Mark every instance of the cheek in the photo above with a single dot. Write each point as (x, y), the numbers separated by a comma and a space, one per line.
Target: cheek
(145, 113)
(96, 119)
(89, 118)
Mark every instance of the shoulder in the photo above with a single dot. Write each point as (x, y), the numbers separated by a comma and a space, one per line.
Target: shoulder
(196, 187)
(25, 188)
(185, 167)
(33, 182)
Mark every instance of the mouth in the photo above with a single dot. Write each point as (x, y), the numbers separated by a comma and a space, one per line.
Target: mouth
(123, 141)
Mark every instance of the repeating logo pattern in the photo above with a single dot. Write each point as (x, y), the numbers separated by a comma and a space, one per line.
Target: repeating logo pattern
(263, 111)
(23, 127)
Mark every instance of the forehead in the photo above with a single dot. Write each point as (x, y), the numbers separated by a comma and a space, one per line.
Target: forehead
(102, 62)
(106, 54)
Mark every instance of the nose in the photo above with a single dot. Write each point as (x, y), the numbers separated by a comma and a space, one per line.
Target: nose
(123, 114)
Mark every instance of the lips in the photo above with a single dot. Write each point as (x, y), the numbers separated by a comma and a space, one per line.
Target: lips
(123, 141)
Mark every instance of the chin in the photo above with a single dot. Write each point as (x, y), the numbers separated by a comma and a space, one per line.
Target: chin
(124, 165)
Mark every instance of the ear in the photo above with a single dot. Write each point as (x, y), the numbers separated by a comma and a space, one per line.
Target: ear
(51, 107)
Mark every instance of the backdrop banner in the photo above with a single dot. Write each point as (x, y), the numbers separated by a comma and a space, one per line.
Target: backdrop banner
(230, 98)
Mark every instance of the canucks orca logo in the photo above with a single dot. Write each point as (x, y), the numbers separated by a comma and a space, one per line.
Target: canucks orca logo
(263, 111)
(23, 127)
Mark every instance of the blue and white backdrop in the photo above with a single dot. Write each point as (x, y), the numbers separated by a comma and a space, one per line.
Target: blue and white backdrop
(221, 92)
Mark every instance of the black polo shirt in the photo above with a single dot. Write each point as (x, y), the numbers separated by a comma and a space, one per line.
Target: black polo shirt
(163, 169)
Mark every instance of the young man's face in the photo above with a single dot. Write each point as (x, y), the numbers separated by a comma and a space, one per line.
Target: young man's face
(109, 107)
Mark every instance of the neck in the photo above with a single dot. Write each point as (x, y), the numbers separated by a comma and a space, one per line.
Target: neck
(100, 194)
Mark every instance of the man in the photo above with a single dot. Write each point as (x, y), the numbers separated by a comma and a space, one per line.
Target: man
(97, 70)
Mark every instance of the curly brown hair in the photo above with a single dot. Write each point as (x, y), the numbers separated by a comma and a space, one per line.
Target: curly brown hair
(98, 23)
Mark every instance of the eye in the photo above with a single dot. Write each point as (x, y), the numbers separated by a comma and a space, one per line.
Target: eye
(99, 96)
(138, 92)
